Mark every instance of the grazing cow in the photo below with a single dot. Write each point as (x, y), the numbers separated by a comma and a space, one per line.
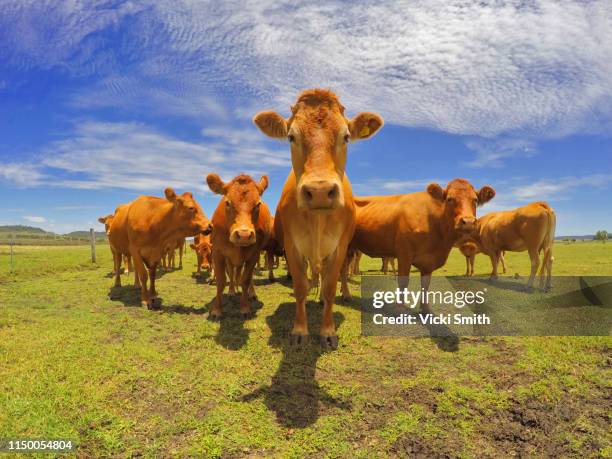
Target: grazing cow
(418, 229)
(469, 248)
(241, 229)
(315, 217)
(116, 231)
(153, 223)
(531, 228)
(273, 252)
(203, 249)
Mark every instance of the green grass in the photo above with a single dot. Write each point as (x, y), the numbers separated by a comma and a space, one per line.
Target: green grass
(124, 381)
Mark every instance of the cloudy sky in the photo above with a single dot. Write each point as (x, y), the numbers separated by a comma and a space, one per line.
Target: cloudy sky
(103, 101)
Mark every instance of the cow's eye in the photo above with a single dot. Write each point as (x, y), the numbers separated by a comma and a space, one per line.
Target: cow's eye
(291, 138)
(347, 137)
(450, 199)
(257, 206)
(228, 204)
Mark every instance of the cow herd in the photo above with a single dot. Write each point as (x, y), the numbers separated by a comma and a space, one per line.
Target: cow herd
(318, 225)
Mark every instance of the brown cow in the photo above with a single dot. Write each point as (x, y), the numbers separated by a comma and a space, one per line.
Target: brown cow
(241, 228)
(116, 230)
(531, 228)
(315, 217)
(152, 223)
(169, 258)
(469, 248)
(273, 252)
(418, 229)
(203, 249)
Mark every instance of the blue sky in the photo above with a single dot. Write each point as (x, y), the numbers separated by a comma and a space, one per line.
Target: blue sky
(104, 101)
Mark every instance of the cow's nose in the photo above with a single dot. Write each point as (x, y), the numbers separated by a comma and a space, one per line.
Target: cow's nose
(207, 229)
(243, 236)
(467, 221)
(320, 194)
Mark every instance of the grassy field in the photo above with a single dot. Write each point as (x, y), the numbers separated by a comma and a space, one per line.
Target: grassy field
(124, 381)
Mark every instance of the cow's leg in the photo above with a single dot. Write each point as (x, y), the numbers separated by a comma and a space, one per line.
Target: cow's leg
(467, 266)
(199, 264)
(297, 268)
(404, 263)
(152, 275)
(502, 258)
(535, 263)
(347, 267)
(220, 265)
(142, 274)
(246, 282)
(494, 262)
(472, 260)
(181, 248)
(425, 281)
(393, 268)
(117, 268)
(329, 281)
(270, 263)
(549, 263)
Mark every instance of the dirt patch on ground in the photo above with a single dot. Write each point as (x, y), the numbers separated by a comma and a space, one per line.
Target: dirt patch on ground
(570, 428)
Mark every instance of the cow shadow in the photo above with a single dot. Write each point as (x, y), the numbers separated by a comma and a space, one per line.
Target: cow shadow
(294, 395)
(232, 334)
(127, 294)
(202, 278)
(444, 337)
(507, 283)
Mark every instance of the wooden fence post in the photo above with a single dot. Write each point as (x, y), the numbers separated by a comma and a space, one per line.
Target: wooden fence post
(93, 244)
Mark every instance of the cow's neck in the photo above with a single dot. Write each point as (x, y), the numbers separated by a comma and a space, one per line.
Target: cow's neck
(322, 235)
(448, 233)
(166, 230)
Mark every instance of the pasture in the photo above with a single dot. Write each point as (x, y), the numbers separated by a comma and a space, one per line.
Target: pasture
(121, 380)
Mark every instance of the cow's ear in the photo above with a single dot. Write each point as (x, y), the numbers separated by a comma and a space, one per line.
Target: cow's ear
(436, 191)
(263, 184)
(102, 220)
(485, 194)
(271, 124)
(215, 184)
(365, 125)
(170, 194)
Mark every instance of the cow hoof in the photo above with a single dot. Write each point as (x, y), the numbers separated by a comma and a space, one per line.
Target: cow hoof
(329, 342)
(246, 315)
(298, 340)
(154, 303)
(346, 298)
(214, 317)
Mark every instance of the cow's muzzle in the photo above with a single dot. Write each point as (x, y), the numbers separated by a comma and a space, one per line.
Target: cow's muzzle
(320, 194)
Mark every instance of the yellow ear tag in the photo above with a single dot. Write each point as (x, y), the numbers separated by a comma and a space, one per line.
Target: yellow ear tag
(365, 131)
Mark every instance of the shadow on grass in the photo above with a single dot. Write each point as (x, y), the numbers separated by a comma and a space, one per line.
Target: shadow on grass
(232, 334)
(202, 278)
(507, 283)
(444, 337)
(294, 394)
(127, 294)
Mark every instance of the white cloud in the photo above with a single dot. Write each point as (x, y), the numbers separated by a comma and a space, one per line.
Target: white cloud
(134, 156)
(21, 174)
(560, 188)
(541, 68)
(375, 186)
(34, 219)
(491, 153)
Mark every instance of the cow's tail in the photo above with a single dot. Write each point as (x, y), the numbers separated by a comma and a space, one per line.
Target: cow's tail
(549, 238)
